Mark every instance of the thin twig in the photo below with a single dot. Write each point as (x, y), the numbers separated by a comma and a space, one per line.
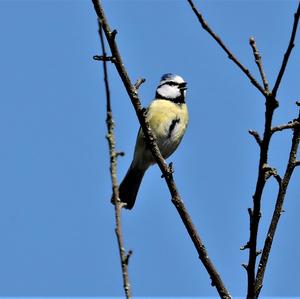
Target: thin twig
(113, 165)
(288, 52)
(228, 52)
(290, 125)
(259, 64)
(138, 83)
(256, 136)
(292, 163)
(150, 139)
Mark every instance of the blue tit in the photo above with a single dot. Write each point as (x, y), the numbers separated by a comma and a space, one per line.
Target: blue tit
(167, 116)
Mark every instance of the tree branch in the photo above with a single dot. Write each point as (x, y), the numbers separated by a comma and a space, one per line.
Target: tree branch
(223, 46)
(113, 172)
(292, 163)
(271, 104)
(150, 139)
(256, 136)
(259, 64)
(255, 287)
(255, 281)
(291, 125)
(288, 52)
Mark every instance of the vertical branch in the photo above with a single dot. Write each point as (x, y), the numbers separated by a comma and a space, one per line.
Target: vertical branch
(255, 284)
(271, 104)
(151, 142)
(255, 214)
(124, 257)
(283, 185)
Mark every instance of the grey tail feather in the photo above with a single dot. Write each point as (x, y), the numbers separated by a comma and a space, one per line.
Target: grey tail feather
(130, 186)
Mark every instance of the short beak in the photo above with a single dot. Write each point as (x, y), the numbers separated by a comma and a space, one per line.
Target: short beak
(183, 86)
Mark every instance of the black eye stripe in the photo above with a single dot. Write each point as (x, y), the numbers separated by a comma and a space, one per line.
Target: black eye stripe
(171, 83)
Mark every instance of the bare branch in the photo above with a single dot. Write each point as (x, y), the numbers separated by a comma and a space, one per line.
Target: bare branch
(128, 255)
(258, 252)
(150, 139)
(124, 258)
(290, 125)
(290, 166)
(256, 136)
(245, 266)
(278, 210)
(278, 178)
(228, 52)
(246, 246)
(263, 173)
(271, 105)
(297, 163)
(139, 82)
(255, 281)
(259, 64)
(270, 171)
(121, 154)
(288, 52)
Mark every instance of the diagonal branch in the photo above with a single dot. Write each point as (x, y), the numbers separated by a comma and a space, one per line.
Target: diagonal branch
(223, 46)
(259, 64)
(150, 139)
(124, 257)
(288, 52)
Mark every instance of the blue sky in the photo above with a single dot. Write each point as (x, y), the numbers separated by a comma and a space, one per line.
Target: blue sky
(56, 220)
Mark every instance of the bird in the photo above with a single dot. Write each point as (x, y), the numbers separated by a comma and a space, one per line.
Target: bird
(168, 118)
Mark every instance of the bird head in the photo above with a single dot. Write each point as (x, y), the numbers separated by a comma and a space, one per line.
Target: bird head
(171, 87)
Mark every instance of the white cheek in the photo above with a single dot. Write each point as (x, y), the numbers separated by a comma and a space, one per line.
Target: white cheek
(168, 91)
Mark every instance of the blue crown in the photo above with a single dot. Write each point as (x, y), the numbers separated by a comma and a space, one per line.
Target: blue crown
(167, 76)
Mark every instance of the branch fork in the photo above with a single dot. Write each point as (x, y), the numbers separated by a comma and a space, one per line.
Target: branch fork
(264, 171)
(270, 171)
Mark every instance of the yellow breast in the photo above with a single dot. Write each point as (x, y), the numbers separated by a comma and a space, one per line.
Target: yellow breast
(168, 122)
(161, 113)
